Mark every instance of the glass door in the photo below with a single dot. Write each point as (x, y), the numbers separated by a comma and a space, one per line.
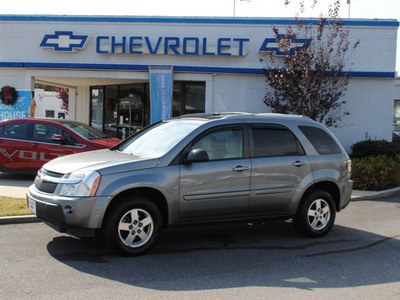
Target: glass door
(131, 116)
(96, 117)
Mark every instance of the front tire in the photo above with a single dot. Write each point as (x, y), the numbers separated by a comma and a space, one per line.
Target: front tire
(316, 215)
(133, 226)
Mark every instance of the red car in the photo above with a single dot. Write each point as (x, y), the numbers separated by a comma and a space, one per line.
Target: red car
(28, 143)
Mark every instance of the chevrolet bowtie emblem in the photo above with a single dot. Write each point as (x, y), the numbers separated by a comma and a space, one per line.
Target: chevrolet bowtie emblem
(64, 41)
(272, 45)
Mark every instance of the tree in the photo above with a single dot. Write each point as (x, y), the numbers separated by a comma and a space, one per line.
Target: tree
(310, 79)
(63, 94)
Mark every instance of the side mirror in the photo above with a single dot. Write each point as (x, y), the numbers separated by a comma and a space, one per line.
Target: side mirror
(197, 155)
(59, 139)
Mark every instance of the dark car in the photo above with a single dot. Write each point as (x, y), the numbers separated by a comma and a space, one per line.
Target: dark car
(28, 143)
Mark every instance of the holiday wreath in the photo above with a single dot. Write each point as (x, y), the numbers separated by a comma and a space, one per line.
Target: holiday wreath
(8, 95)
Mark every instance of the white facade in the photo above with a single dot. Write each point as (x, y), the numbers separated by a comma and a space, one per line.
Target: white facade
(48, 104)
(222, 52)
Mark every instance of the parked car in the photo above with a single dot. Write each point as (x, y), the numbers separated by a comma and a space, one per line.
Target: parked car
(197, 169)
(28, 143)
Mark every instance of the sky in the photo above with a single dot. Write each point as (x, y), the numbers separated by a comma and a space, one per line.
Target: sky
(360, 9)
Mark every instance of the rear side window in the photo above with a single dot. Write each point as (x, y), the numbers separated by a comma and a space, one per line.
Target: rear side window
(16, 130)
(321, 140)
(274, 142)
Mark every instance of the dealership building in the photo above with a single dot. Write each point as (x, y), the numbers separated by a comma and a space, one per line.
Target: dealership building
(122, 71)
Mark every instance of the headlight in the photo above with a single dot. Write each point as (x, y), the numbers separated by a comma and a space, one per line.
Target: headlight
(81, 184)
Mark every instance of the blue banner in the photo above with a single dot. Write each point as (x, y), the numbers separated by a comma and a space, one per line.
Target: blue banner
(160, 93)
(20, 109)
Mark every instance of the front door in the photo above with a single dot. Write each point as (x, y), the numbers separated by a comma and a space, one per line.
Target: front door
(44, 148)
(218, 187)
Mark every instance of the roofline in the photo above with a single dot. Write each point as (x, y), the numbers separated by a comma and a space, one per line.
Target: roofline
(192, 20)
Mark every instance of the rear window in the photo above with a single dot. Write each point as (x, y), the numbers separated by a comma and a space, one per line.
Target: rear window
(321, 140)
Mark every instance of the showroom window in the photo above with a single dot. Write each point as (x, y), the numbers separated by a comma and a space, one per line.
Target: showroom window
(188, 98)
(121, 110)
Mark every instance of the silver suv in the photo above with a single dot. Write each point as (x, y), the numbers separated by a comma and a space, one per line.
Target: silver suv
(197, 169)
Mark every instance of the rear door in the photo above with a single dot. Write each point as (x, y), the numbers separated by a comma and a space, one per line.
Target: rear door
(14, 146)
(218, 187)
(278, 169)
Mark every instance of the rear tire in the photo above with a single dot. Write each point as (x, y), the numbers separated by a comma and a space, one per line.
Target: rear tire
(316, 215)
(133, 226)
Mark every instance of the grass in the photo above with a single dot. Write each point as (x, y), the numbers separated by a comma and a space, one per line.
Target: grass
(10, 206)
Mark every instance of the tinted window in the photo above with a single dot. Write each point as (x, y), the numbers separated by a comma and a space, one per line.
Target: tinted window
(274, 142)
(16, 130)
(322, 141)
(222, 144)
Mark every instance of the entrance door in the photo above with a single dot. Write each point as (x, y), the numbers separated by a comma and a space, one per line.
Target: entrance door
(131, 116)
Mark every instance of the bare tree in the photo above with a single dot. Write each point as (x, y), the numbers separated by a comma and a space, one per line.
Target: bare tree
(309, 77)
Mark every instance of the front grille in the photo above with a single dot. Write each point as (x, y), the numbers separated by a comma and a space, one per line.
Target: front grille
(45, 186)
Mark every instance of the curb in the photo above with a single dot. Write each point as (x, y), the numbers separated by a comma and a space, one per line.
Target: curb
(356, 196)
(19, 219)
(367, 195)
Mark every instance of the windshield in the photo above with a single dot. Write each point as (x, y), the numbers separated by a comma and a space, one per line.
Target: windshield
(85, 131)
(159, 138)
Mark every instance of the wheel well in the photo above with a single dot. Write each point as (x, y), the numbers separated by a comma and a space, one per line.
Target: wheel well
(326, 186)
(153, 195)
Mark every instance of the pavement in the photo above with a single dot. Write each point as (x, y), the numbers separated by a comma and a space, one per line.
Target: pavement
(14, 185)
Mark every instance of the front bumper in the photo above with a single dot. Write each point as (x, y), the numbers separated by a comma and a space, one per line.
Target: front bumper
(72, 215)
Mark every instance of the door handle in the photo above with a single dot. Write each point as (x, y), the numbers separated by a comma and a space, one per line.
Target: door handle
(240, 169)
(298, 163)
(35, 145)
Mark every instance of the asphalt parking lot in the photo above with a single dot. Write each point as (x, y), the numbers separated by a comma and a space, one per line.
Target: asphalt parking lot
(359, 259)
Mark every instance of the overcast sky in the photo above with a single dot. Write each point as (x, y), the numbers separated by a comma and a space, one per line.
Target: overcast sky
(370, 9)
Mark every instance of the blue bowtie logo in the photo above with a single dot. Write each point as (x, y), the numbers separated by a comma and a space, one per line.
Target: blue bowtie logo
(64, 41)
(272, 45)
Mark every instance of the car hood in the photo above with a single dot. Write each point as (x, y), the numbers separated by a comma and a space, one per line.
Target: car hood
(104, 161)
(108, 142)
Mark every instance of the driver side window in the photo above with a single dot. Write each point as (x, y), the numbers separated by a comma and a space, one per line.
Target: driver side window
(224, 143)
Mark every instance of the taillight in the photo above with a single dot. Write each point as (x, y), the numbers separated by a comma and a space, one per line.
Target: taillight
(348, 167)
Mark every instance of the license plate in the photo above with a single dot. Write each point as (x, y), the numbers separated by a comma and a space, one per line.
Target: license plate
(32, 206)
